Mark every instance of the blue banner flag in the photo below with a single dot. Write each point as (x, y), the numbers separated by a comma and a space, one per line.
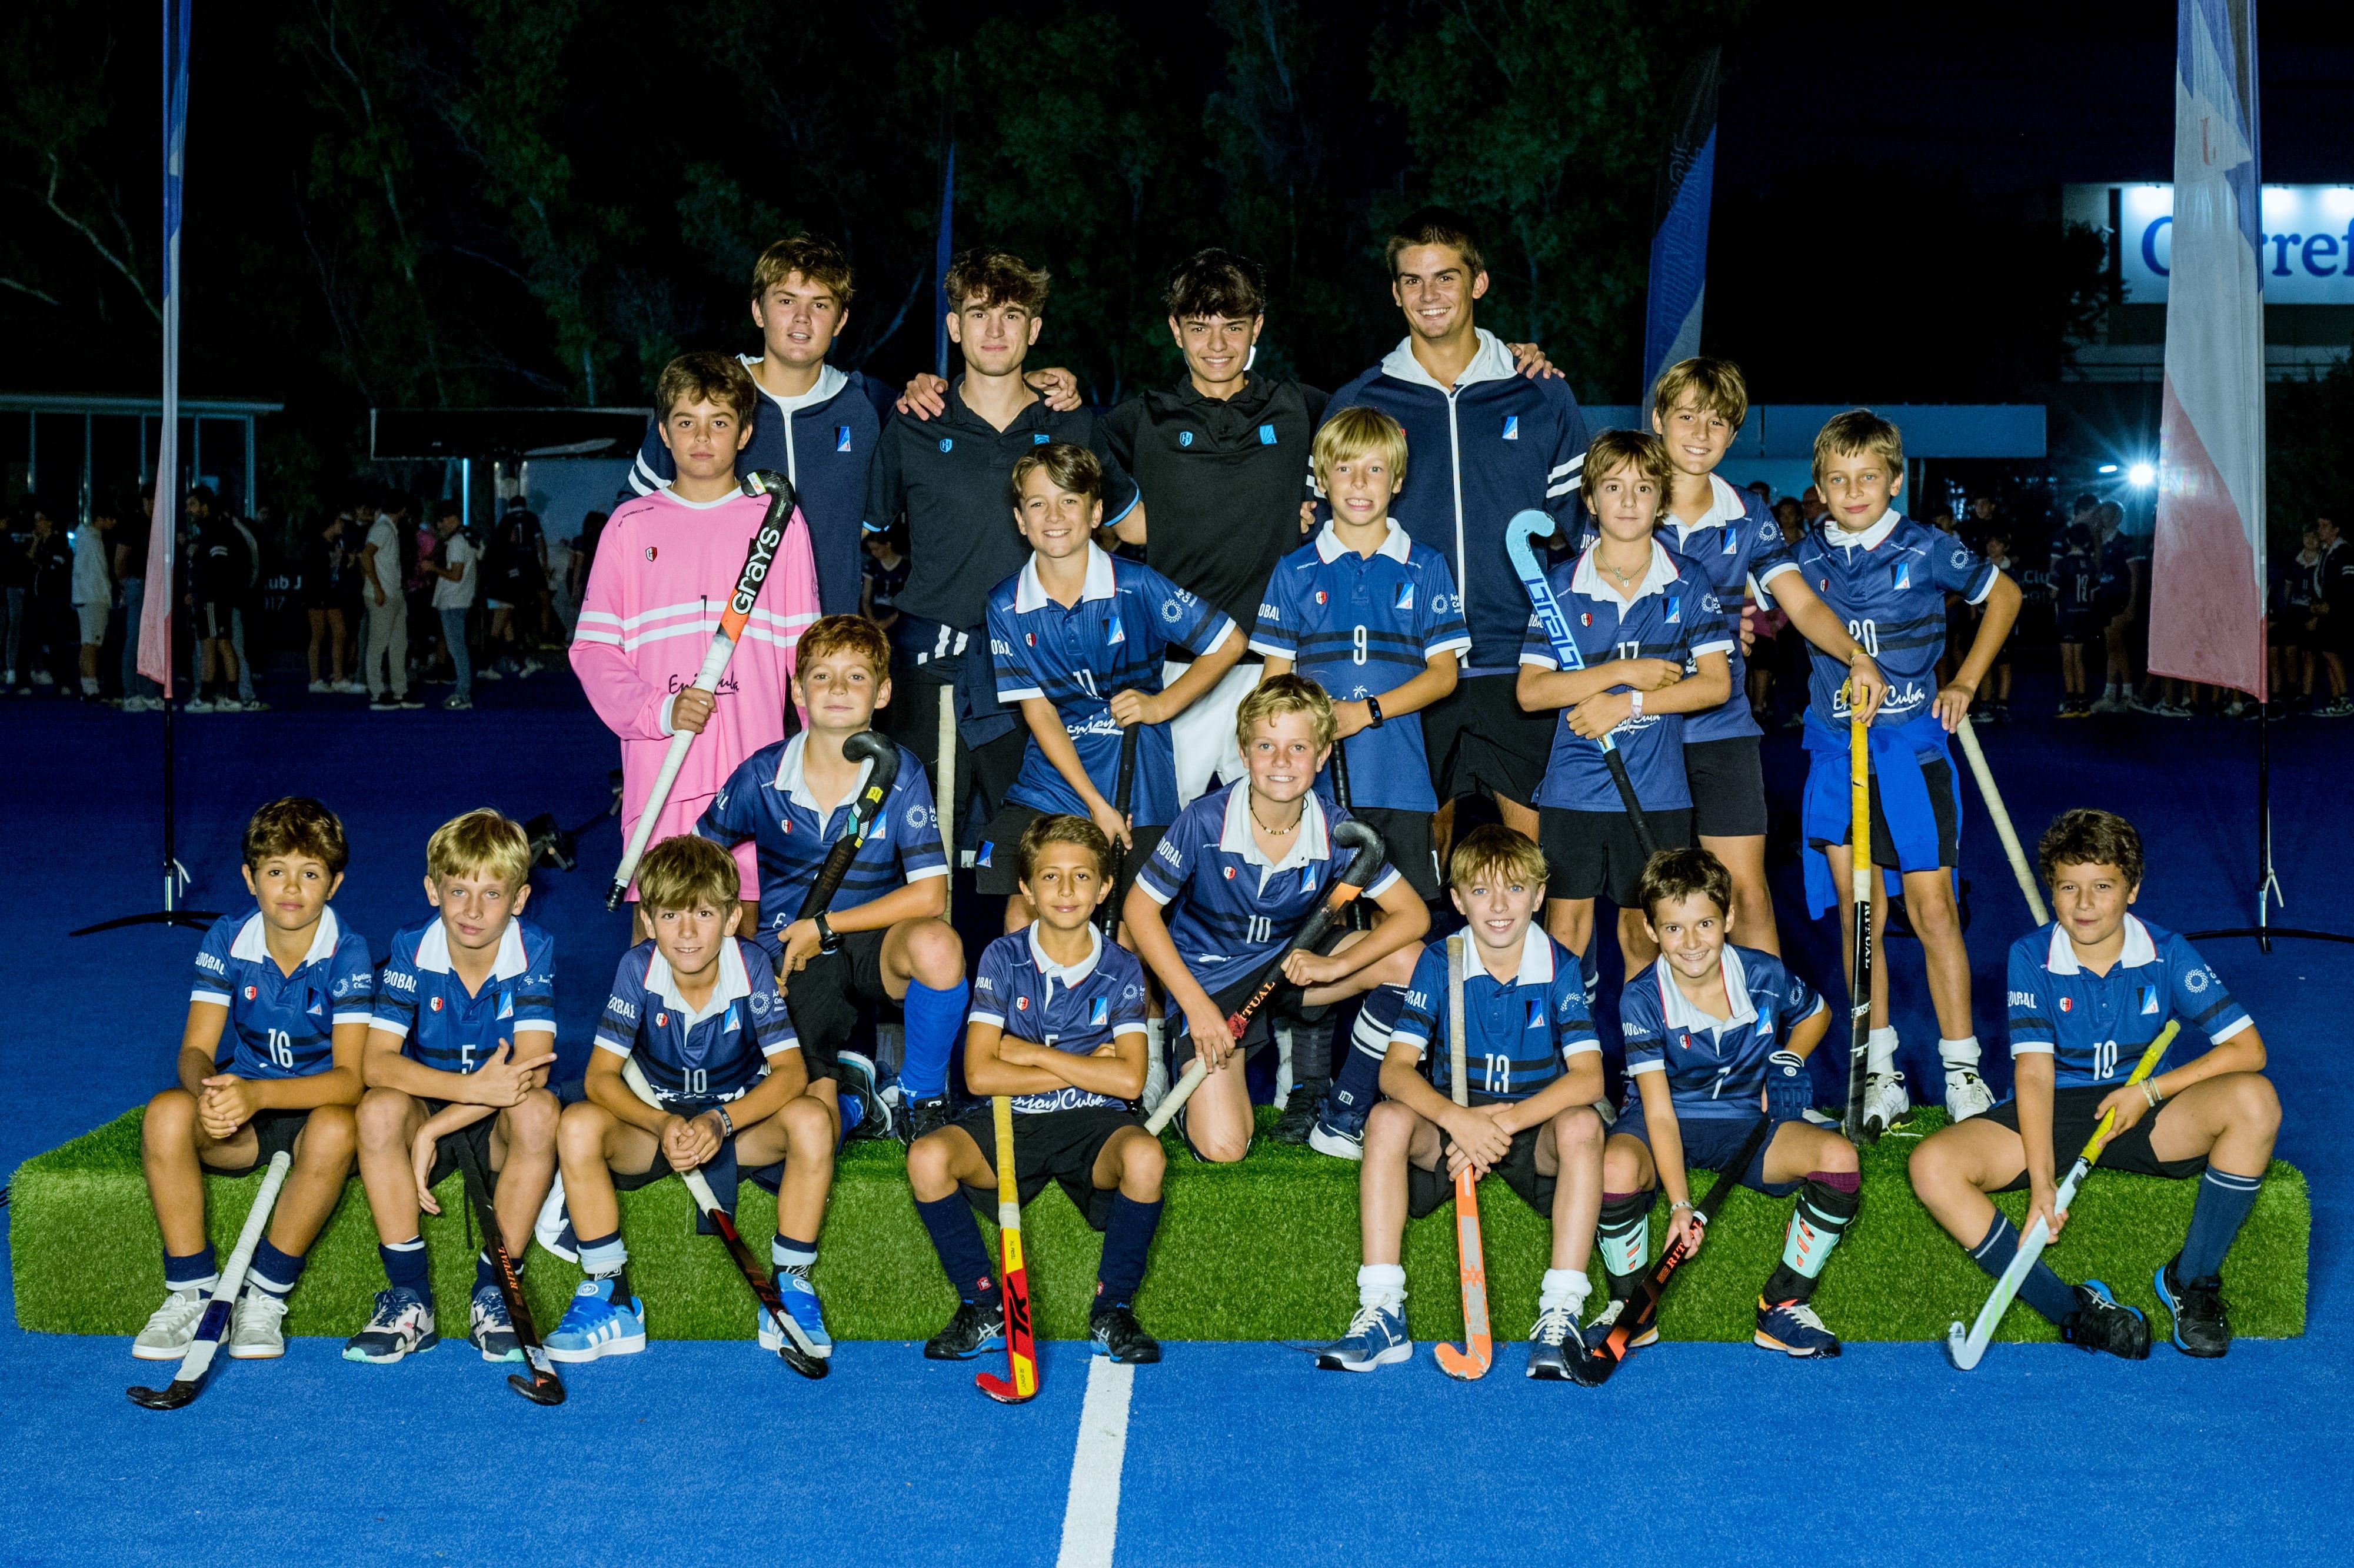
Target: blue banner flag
(1679, 238)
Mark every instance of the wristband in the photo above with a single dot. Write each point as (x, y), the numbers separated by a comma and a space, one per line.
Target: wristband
(726, 1122)
(1685, 1204)
(2150, 1092)
(1637, 699)
(827, 941)
(1374, 712)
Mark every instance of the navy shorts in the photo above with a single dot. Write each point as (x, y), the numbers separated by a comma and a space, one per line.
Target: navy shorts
(274, 1132)
(1061, 1146)
(1728, 787)
(1709, 1143)
(2075, 1112)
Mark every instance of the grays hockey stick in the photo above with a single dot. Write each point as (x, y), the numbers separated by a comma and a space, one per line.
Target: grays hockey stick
(213, 1327)
(1966, 1349)
(1123, 795)
(543, 1386)
(1533, 524)
(1860, 958)
(765, 541)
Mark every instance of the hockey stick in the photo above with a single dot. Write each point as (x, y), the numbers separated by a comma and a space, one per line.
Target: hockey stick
(1966, 1349)
(765, 541)
(1534, 524)
(1859, 1025)
(1340, 792)
(1020, 1382)
(944, 799)
(189, 1381)
(798, 1350)
(882, 755)
(1364, 863)
(1123, 793)
(1479, 1348)
(2002, 828)
(543, 1386)
(1592, 1369)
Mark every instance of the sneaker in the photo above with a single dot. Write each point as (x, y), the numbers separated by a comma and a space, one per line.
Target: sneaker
(801, 1304)
(858, 1094)
(2110, 702)
(977, 1326)
(926, 1117)
(553, 1230)
(2144, 705)
(456, 703)
(197, 705)
(382, 706)
(488, 1329)
(1885, 1103)
(2101, 1323)
(2202, 1326)
(1966, 1094)
(1299, 1112)
(2339, 709)
(1792, 1328)
(2171, 710)
(595, 1325)
(1115, 1332)
(1340, 1131)
(257, 1326)
(1608, 1319)
(319, 686)
(171, 1328)
(252, 705)
(530, 667)
(348, 688)
(1376, 1338)
(490, 674)
(410, 702)
(401, 1325)
(42, 678)
(1549, 1343)
(2237, 708)
(2072, 708)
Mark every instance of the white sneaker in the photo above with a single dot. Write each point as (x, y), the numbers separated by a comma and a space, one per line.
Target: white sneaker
(1966, 1094)
(321, 686)
(41, 678)
(256, 1327)
(197, 705)
(171, 1328)
(1885, 1102)
(348, 688)
(2110, 702)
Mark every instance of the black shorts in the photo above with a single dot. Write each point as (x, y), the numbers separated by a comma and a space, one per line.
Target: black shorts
(823, 1000)
(1054, 1145)
(996, 863)
(275, 1131)
(1728, 787)
(2075, 1112)
(2078, 625)
(1287, 1004)
(445, 1148)
(1595, 855)
(1405, 842)
(1427, 1189)
(215, 619)
(1938, 776)
(989, 768)
(1478, 739)
(1709, 1142)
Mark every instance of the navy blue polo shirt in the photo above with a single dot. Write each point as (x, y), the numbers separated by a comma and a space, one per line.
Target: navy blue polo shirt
(281, 1025)
(1079, 1008)
(1519, 1034)
(2096, 1027)
(1889, 583)
(422, 1002)
(1715, 1067)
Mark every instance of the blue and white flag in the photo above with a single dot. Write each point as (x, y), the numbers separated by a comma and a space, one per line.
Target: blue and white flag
(1680, 238)
(941, 256)
(155, 610)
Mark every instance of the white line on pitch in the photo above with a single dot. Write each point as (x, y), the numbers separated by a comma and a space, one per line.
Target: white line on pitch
(1091, 1518)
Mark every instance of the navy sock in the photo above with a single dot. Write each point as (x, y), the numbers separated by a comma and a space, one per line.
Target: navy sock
(956, 1236)
(2042, 1290)
(486, 1273)
(1127, 1236)
(403, 1264)
(274, 1271)
(935, 1026)
(2221, 1209)
(197, 1271)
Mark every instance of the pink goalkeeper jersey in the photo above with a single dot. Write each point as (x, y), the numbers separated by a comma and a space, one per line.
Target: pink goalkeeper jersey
(663, 572)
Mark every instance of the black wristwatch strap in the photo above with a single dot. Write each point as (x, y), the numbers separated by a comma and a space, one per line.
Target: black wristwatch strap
(826, 940)
(1373, 709)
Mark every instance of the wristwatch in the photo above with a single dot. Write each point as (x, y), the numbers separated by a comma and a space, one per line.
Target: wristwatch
(1374, 709)
(827, 941)
(1636, 711)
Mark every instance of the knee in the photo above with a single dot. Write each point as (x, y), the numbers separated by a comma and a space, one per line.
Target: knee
(1219, 1148)
(532, 1124)
(381, 1116)
(171, 1118)
(1931, 1167)
(1388, 1126)
(1929, 904)
(329, 1136)
(807, 1124)
(580, 1131)
(1838, 1156)
(1622, 1168)
(1578, 1130)
(928, 1167)
(2256, 1104)
(935, 954)
(1144, 1163)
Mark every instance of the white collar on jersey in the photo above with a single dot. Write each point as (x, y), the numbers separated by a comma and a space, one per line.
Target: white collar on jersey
(1677, 1012)
(734, 982)
(794, 781)
(1869, 539)
(1236, 838)
(1396, 544)
(1724, 505)
(1587, 579)
(1537, 958)
(1491, 362)
(2139, 949)
(1030, 594)
(829, 382)
(253, 946)
(676, 499)
(433, 952)
(1073, 975)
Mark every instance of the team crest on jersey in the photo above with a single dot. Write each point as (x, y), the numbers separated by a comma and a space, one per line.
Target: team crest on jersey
(1405, 597)
(1511, 427)
(1320, 595)
(251, 991)
(1536, 1013)
(506, 1006)
(1099, 1011)
(2149, 1000)
(948, 443)
(1267, 435)
(982, 858)
(1031, 638)
(650, 552)
(1675, 610)
(1903, 576)
(1118, 633)
(1020, 1005)
(841, 438)
(435, 1005)
(1732, 541)
(661, 1021)
(1185, 438)
(1586, 618)
(1230, 876)
(1040, 438)
(2067, 1004)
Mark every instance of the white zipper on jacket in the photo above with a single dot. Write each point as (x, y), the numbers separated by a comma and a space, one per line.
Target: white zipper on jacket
(1455, 471)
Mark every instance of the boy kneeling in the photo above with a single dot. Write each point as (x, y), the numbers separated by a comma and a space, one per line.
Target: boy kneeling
(2088, 995)
(1715, 1034)
(698, 1010)
(1536, 1071)
(463, 1035)
(1059, 1024)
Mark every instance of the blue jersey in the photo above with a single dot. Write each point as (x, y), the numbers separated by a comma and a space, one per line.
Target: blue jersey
(2075, 585)
(2096, 1027)
(1672, 614)
(1110, 640)
(1077, 1009)
(1889, 584)
(1358, 626)
(1233, 909)
(692, 1058)
(420, 1001)
(1519, 1034)
(767, 801)
(281, 1025)
(1737, 547)
(1715, 1067)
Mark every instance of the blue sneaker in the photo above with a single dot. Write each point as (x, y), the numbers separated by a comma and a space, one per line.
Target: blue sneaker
(1376, 1337)
(1598, 1330)
(802, 1304)
(488, 1329)
(1792, 1328)
(1339, 1130)
(595, 1325)
(401, 1325)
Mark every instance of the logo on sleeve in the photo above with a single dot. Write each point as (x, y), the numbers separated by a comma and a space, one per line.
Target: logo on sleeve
(1961, 557)
(1099, 1011)
(1710, 603)
(1168, 852)
(2022, 999)
(1267, 435)
(1185, 438)
(1405, 599)
(841, 438)
(1173, 609)
(344, 986)
(1511, 427)
(759, 1001)
(2198, 980)
(916, 816)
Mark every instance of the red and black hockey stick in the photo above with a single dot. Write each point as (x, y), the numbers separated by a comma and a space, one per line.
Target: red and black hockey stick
(1020, 1383)
(541, 1386)
(213, 1327)
(1123, 793)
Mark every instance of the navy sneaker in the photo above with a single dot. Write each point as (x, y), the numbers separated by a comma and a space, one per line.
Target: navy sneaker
(401, 1325)
(488, 1329)
(1376, 1338)
(1792, 1328)
(2202, 1326)
(1339, 1130)
(1552, 1343)
(976, 1327)
(2102, 1322)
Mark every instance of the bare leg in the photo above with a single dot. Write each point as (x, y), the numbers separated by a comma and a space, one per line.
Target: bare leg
(1751, 924)
(1393, 1135)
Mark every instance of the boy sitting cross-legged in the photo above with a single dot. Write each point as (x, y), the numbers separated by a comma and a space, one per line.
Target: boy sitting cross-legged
(463, 1035)
(882, 936)
(2088, 994)
(698, 1010)
(1059, 1024)
(1535, 1070)
(286, 990)
(1716, 1033)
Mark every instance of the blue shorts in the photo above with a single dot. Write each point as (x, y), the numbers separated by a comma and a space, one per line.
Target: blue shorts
(1709, 1143)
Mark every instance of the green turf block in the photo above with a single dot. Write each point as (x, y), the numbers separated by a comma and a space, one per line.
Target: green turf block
(1265, 1249)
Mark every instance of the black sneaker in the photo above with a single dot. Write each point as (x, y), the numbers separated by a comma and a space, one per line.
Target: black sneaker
(978, 1325)
(2202, 1326)
(926, 1117)
(2102, 1322)
(1300, 1110)
(1118, 1334)
(856, 1083)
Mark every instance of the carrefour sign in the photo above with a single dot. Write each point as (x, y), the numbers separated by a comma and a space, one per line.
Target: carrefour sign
(2308, 251)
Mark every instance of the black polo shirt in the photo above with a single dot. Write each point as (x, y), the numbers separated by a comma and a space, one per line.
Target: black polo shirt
(1222, 480)
(948, 477)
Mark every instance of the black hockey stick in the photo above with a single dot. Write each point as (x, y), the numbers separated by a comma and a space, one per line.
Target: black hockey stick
(1357, 918)
(865, 811)
(1123, 793)
(541, 1386)
(213, 1327)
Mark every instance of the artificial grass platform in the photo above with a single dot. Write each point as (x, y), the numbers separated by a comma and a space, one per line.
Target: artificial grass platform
(1266, 1249)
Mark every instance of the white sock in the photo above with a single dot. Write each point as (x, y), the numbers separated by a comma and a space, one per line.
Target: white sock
(1380, 1284)
(90, 686)
(1563, 1288)
(1880, 1050)
(1962, 1052)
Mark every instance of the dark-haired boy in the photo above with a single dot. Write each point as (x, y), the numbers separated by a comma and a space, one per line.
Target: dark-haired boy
(1716, 1035)
(1058, 1026)
(2088, 994)
(286, 989)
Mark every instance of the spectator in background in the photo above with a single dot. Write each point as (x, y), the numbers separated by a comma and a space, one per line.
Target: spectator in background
(327, 583)
(130, 542)
(453, 596)
(217, 575)
(93, 592)
(419, 546)
(384, 664)
(516, 567)
(1811, 509)
(16, 580)
(2333, 612)
(1995, 690)
(49, 605)
(883, 575)
(246, 606)
(2075, 612)
(2114, 593)
(581, 554)
(2291, 624)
